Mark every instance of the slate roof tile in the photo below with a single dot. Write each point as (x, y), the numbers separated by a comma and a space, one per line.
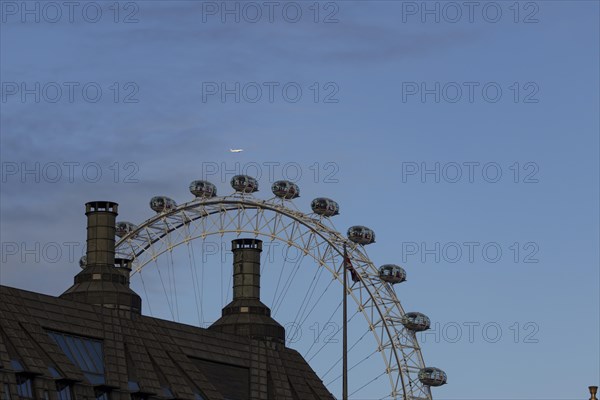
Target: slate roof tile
(164, 353)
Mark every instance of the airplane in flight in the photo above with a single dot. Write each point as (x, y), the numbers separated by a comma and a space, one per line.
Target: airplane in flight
(236, 150)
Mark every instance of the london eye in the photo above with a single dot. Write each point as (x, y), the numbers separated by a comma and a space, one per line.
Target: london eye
(385, 357)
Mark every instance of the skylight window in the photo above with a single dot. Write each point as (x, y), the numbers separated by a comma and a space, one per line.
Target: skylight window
(16, 365)
(167, 392)
(133, 386)
(54, 372)
(85, 353)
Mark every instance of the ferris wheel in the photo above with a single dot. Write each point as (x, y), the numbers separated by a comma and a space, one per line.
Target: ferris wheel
(379, 323)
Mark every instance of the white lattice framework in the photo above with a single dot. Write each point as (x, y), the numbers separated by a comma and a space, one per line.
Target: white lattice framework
(316, 237)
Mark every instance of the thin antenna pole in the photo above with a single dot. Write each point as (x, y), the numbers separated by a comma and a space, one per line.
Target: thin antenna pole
(345, 333)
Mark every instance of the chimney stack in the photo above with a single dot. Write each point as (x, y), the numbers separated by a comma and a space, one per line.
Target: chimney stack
(104, 281)
(101, 228)
(246, 268)
(246, 315)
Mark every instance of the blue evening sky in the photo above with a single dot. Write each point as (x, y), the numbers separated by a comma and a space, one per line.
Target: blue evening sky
(443, 128)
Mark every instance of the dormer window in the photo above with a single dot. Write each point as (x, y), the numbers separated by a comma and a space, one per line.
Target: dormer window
(101, 394)
(7, 391)
(24, 386)
(64, 390)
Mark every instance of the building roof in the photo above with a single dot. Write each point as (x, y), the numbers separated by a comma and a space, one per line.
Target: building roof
(141, 355)
(93, 341)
